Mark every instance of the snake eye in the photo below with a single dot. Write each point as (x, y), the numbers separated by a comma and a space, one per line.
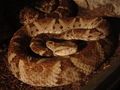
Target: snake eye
(81, 45)
(50, 42)
(73, 25)
(37, 30)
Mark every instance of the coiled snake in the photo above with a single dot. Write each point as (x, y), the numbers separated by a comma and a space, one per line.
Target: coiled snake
(47, 50)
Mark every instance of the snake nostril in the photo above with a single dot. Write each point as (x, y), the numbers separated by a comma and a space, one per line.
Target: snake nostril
(37, 30)
(61, 27)
(53, 27)
(31, 32)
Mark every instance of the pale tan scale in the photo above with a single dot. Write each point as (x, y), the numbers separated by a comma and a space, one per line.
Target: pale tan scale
(40, 52)
(17, 37)
(68, 76)
(53, 78)
(77, 23)
(23, 75)
(12, 56)
(89, 23)
(99, 47)
(67, 24)
(87, 69)
(46, 27)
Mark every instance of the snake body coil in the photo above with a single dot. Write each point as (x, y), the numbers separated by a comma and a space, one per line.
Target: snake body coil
(48, 51)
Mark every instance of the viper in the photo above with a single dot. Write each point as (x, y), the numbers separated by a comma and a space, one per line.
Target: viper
(52, 48)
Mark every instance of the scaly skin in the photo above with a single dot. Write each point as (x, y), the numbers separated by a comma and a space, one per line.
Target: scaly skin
(44, 52)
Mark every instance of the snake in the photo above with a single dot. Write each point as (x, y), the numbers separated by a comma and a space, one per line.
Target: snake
(52, 48)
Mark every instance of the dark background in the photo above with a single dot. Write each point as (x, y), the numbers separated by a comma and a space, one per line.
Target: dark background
(9, 17)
